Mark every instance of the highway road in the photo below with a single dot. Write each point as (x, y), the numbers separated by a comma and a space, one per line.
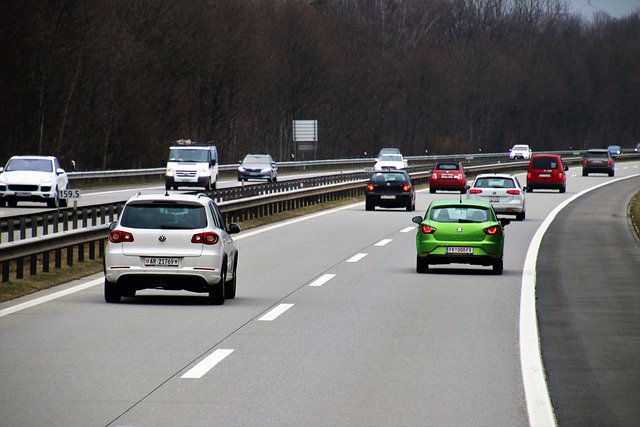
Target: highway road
(331, 326)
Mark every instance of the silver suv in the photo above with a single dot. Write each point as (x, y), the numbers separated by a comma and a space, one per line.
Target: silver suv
(172, 242)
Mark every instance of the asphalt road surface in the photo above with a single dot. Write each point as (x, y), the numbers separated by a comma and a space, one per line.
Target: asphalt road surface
(331, 326)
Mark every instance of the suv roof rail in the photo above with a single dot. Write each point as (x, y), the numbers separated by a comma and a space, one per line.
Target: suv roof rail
(188, 142)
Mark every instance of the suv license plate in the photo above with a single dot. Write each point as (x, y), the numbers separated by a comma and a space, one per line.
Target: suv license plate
(22, 194)
(494, 199)
(161, 262)
(545, 175)
(459, 250)
(388, 196)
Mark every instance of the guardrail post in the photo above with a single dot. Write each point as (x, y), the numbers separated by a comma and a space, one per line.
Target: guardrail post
(19, 268)
(45, 262)
(58, 258)
(45, 224)
(23, 226)
(10, 230)
(33, 265)
(70, 256)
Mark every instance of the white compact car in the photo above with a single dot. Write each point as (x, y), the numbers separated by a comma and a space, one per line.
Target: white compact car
(34, 179)
(390, 161)
(520, 152)
(172, 242)
(503, 191)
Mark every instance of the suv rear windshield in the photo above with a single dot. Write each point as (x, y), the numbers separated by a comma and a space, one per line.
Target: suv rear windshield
(544, 163)
(597, 154)
(165, 217)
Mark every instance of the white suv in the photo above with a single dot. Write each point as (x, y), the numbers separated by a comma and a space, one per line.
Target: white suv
(33, 178)
(520, 152)
(172, 242)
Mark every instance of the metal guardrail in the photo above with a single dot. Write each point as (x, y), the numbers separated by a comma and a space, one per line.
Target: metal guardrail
(263, 200)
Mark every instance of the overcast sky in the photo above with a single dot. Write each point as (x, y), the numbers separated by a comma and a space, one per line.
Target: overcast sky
(615, 8)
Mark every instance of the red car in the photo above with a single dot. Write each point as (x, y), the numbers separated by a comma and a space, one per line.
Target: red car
(547, 172)
(448, 176)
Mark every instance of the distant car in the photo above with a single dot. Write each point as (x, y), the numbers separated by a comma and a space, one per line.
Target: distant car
(34, 179)
(598, 160)
(390, 188)
(384, 151)
(448, 176)
(172, 242)
(389, 161)
(614, 150)
(258, 166)
(460, 232)
(520, 151)
(637, 149)
(547, 172)
(503, 191)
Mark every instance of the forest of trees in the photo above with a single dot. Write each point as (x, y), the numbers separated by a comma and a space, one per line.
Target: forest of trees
(110, 83)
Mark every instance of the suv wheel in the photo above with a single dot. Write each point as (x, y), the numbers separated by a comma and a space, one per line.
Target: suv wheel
(230, 286)
(216, 294)
(111, 292)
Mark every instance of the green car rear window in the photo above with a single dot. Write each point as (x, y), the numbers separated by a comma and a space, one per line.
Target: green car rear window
(454, 214)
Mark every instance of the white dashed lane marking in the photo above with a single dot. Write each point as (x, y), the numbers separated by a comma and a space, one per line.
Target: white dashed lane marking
(322, 280)
(207, 364)
(274, 313)
(356, 257)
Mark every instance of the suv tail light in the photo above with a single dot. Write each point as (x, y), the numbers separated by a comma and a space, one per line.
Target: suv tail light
(475, 191)
(370, 186)
(206, 238)
(406, 187)
(515, 192)
(119, 236)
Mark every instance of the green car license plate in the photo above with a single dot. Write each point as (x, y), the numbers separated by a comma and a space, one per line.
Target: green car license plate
(459, 250)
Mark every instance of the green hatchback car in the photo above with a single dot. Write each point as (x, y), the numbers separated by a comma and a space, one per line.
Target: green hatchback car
(460, 232)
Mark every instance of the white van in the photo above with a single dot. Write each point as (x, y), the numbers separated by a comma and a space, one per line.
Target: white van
(192, 164)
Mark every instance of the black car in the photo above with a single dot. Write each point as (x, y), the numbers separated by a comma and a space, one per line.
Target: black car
(390, 188)
(598, 161)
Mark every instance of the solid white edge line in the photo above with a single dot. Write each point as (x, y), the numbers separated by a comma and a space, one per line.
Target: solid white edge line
(275, 312)
(356, 257)
(51, 297)
(539, 406)
(207, 364)
(322, 280)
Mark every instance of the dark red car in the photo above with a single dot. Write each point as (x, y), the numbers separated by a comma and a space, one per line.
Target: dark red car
(448, 176)
(547, 172)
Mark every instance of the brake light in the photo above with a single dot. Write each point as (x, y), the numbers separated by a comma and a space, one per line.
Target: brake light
(370, 186)
(609, 162)
(475, 191)
(492, 231)
(515, 192)
(584, 161)
(426, 229)
(207, 238)
(119, 236)
(406, 187)
(434, 175)
(560, 175)
(528, 175)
